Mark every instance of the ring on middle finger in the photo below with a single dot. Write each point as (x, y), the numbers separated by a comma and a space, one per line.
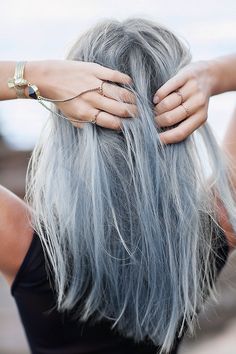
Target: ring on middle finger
(186, 110)
(94, 121)
(100, 90)
(180, 95)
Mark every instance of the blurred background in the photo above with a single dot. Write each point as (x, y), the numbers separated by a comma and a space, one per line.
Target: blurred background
(45, 30)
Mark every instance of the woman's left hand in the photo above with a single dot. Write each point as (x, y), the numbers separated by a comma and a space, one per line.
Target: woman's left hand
(184, 100)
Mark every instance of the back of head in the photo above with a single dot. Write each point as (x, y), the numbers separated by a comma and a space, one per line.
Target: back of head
(148, 52)
(125, 216)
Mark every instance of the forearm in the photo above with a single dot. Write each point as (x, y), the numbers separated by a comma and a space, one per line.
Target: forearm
(7, 69)
(35, 71)
(223, 72)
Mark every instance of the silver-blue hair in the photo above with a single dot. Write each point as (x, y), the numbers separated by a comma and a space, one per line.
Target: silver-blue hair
(125, 218)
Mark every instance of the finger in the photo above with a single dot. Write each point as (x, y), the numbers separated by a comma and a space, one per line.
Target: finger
(104, 73)
(118, 93)
(183, 111)
(171, 118)
(171, 85)
(76, 109)
(174, 99)
(111, 106)
(107, 120)
(75, 122)
(184, 129)
(78, 125)
(103, 119)
(170, 102)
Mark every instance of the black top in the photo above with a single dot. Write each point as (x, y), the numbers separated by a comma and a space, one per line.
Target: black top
(51, 332)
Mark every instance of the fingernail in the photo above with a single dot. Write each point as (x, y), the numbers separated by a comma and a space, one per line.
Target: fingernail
(156, 100)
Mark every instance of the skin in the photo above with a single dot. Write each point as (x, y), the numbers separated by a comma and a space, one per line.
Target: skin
(197, 83)
(77, 77)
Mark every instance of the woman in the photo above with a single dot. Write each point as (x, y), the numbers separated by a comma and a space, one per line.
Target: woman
(123, 234)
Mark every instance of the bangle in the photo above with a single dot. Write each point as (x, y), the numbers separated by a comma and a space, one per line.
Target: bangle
(18, 82)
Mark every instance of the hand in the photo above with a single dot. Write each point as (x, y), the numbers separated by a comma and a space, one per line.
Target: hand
(184, 100)
(62, 79)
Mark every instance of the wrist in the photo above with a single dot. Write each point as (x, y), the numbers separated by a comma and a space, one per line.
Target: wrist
(9, 70)
(215, 80)
(223, 73)
(35, 73)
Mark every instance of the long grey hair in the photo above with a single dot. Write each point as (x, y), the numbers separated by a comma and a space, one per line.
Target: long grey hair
(123, 218)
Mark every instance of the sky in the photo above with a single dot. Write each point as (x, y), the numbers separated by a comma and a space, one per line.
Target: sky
(32, 30)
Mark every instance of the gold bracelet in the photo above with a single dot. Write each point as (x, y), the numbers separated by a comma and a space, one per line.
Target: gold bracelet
(18, 82)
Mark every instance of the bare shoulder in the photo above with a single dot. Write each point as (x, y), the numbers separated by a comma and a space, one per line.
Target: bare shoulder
(15, 233)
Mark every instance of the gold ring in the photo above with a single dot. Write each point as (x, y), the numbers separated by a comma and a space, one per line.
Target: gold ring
(94, 121)
(100, 90)
(186, 111)
(180, 95)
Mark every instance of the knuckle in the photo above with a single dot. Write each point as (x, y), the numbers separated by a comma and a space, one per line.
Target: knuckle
(97, 66)
(163, 106)
(157, 110)
(82, 114)
(126, 96)
(98, 99)
(114, 75)
(195, 84)
(160, 94)
(180, 135)
(135, 112)
(204, 118)
(158, 122)
(116, 124)
(193, 74)
(76, 125)
(201, 99)
(167, 119)
(156, 119)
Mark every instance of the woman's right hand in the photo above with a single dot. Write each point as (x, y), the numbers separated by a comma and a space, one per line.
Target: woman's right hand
(60, 79)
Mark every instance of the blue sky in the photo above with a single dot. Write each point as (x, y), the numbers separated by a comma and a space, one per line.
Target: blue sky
(45, 30)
